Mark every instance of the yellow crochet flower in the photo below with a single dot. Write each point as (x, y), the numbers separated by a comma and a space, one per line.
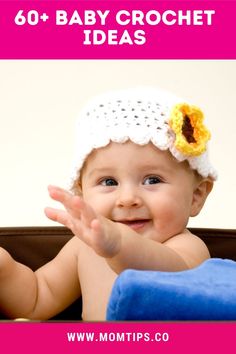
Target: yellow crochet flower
(191, 134)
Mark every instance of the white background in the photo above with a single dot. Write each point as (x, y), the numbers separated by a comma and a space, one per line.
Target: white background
(39, 103)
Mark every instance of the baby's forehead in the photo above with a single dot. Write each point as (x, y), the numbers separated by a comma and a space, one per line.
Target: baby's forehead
(131, 155)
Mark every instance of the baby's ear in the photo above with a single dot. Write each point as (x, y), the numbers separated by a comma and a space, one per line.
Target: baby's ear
(79, 190)
(76, 188)
(200, 194)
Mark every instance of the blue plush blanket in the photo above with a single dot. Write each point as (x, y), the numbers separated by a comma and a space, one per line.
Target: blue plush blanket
(207, 292)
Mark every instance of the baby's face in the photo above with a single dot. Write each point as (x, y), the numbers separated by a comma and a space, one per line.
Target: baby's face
(140, 186)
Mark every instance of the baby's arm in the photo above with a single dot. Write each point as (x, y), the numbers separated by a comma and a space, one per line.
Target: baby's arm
(42, 294)
(120, 245)
(17, 287)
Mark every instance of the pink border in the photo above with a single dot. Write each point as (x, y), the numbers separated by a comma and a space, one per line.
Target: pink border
(50, 41)
(136, 338)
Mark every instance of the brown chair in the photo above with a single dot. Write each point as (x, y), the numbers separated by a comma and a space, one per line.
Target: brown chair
(35, 246)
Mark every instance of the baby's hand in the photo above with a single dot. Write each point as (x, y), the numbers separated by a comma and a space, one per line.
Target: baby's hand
(96, 231)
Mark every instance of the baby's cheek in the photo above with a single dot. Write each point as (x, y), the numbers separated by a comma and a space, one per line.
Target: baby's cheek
(100, 206)
(170, 219)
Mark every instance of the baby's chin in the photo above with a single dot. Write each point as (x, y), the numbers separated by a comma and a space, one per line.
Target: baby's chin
(158, 235)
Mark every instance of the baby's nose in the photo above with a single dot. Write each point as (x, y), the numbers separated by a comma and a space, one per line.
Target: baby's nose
(129, 197)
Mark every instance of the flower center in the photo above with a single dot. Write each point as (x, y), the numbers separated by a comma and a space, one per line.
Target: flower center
(188, 130)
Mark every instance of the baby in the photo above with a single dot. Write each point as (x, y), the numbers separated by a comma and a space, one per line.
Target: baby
(142, 170)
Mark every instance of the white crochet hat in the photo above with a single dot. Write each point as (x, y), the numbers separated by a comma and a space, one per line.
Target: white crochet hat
(144, 115)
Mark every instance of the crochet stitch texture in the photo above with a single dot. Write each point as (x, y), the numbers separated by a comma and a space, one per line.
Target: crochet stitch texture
(144, 115)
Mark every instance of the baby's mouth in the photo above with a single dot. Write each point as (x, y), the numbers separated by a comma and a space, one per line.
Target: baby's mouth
(135, 224)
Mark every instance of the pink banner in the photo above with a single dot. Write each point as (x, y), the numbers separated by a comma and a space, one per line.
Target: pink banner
(117, 29)
(117, 338)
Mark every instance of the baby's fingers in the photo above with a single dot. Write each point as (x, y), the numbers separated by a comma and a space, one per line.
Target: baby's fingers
(70, 202)
(59, 194)
(87, 213)
(59, 216)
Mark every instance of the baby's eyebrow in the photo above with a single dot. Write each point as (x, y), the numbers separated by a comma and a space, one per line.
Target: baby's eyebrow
(101, 170)
(146, 168)
(156, 168)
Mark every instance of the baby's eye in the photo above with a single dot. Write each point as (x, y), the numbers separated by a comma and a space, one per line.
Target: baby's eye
(109, 182)
(151, 180)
